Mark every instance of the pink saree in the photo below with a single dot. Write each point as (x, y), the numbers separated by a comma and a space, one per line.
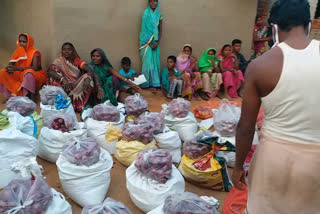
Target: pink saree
(231, 81)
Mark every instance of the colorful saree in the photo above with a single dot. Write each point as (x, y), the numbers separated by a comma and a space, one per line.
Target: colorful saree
(187, 65)
(150, 58)
(105, 77)
(211, 84)
(232, 82)
(20, 83)
(71, 71)
(259, 48)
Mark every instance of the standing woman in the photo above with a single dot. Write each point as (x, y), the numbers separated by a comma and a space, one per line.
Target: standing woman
(188, 67)
(150, 36)
(24, 75)
(260, 43)
(72, 74)
(107, 76)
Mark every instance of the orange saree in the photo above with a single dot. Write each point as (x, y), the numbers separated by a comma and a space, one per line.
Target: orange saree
(22, 57)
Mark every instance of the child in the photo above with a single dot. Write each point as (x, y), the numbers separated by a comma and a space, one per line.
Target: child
(171, 78)
(127, 72)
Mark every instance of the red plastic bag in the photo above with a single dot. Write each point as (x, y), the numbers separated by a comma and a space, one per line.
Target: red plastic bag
(236, 201)
(203, 113)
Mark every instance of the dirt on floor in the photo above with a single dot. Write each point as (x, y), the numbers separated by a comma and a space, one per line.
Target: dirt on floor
(118, 190)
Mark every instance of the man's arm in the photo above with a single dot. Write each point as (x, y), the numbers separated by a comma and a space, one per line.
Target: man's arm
(246, 126)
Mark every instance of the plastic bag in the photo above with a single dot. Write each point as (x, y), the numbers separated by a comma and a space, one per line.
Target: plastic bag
(24, 196)
(226, 119)
(170, 141)
(136, 105)
(86, 185)
(203, 113)
(194, 149)
(59, 204)
(138, 131)
(157, 119)
(51, 142)
(109, 206)
(106, 112)
(148, 194)
(48, 94)
(60, 121)
(179, 107)
(21, 105)
(187, 203)
(155, 163)
(82, 151)
(26, 125)
(127, 151)
(236, 201)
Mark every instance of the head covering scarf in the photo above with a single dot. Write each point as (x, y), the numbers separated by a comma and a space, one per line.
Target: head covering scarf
(183, 60)
(227, 61)
(149, 28)
(23, 56)
(205, 62)
(104, 75)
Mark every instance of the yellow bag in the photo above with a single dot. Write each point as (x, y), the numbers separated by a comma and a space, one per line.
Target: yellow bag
(127, 151)
(210, 178)
(113, 133)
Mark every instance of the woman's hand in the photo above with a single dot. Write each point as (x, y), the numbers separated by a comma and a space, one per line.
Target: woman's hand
(154, 46)
(12, 68)
(238, 178)
(86, 84)
(135, 87)
(67, 86)
(100, 93)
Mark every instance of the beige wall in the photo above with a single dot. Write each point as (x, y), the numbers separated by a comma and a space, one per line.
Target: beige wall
(114, 25)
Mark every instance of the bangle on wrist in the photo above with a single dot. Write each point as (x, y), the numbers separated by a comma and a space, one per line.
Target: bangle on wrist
(62, 78)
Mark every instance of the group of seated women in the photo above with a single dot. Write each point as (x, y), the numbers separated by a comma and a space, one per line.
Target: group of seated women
(86, 84)
(97, 81)
(204, 78)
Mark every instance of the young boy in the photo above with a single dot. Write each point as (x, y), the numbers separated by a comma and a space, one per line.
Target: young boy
(127, 72)
(171, 78)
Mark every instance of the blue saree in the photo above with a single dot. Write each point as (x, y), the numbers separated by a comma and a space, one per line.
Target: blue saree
(150, 58)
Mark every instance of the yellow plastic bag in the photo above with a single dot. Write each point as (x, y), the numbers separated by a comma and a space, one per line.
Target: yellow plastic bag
(210, 178)
(127, 151)
(113, 133)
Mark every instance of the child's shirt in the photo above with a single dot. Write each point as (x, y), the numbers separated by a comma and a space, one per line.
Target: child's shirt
(126, 75)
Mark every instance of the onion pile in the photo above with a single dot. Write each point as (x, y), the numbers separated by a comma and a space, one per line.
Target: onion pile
(136, 130)
(82, 152)
(155, 163)
(35, 195)
(21, 105)
(179, 108)
(49, 93)
(135, 105)
(61, 122)
(194, 149)
(157, 119)
(226, 128)
(106, 112)
(187, 203)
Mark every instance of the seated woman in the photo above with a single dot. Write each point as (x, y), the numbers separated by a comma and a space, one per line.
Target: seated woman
(107, 76)
(188, 67)
(75, 77)
(210, 72)
(24, 75)
(171, 79)
(229, 67)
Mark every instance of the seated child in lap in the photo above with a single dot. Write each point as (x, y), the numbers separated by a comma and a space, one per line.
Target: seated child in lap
(171, 79)
(127, 72)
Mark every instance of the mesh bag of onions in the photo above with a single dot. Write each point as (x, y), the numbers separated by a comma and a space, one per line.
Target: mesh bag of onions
(109, 206)
(24, 196)
(61, 122)
(155, 163)
(82, 151)
(157, 119)
(21, 105)
(135, 105)
(187, 203)
(106, 112)
(194, 149)
(135, 130)
(179, 108)
(49, 93)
